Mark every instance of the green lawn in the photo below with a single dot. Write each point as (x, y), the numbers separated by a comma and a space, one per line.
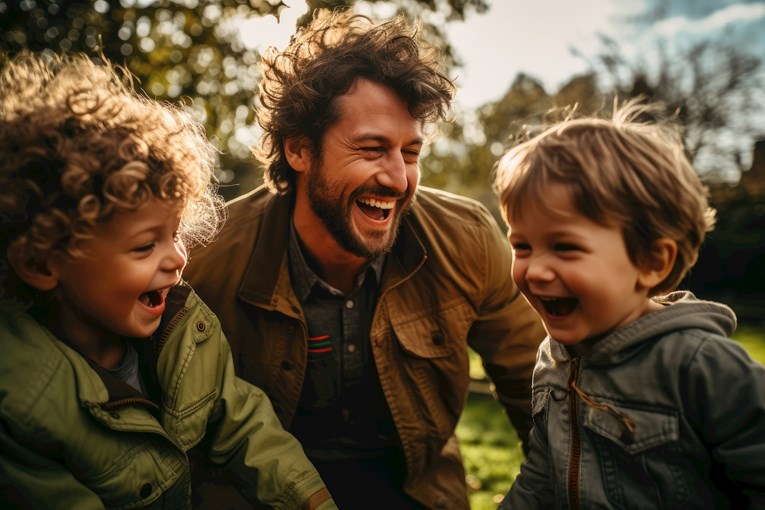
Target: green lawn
(490, 447)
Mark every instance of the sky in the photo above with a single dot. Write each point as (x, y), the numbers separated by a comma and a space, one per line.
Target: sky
(536, 37)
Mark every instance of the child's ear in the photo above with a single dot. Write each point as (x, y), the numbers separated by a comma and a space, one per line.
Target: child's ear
(297, 150)
(35, 273)
(658, 264)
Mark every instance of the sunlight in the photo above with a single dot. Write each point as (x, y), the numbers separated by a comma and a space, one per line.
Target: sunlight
(258, 33)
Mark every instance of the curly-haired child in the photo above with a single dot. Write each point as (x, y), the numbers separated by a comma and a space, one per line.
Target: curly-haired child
(114, 376)
(640, 398)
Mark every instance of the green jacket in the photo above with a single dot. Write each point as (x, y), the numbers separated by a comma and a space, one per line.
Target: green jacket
(74, 436)
(446, 284)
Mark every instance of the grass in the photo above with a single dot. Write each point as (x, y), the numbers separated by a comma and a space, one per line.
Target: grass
(490, 447)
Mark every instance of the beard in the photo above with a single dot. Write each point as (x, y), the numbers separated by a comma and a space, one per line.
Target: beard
(335, 214)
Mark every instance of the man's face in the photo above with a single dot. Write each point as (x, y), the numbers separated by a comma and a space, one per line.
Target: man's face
(368, 173)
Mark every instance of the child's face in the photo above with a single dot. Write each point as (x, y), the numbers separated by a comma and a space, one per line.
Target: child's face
(575, 273)
(119, 287)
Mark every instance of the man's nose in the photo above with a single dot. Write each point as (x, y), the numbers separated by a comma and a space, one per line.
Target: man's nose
(394, 174)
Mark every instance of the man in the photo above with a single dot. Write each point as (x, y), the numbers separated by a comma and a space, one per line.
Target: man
(349, 294)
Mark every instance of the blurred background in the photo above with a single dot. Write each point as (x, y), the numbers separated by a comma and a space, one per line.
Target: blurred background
(514, 62)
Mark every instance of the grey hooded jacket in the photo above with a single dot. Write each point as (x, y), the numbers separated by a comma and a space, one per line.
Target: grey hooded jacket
(666, 412)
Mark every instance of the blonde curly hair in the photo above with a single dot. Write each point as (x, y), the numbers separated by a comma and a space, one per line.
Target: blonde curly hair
(77, 143)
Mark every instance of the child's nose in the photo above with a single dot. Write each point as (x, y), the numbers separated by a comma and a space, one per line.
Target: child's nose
(176, 257)
(539, 270)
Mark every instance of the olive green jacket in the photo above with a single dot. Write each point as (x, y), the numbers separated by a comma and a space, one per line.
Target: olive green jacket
(74, 436)
(446, 284)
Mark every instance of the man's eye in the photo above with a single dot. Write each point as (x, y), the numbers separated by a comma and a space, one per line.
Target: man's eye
(411, 155)
(372, 149)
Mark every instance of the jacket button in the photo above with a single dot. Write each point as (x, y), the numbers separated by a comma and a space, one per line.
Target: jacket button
(287, 364)
(145, 490)
(201, 326)
(437, 339)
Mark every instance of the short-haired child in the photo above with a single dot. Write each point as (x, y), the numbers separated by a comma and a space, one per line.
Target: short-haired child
(640, 398)
(113, 374)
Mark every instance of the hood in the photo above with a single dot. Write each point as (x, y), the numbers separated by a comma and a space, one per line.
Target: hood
(682, 310)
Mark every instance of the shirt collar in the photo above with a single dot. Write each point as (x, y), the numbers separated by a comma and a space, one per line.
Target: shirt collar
(304, 279)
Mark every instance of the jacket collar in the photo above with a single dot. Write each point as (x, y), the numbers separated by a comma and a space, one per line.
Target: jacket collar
(268, 270)
(682, 310)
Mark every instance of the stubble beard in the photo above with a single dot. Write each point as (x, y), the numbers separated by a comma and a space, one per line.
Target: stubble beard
(336, 216)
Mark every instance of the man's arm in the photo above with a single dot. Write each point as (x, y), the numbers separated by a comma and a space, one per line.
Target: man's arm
(507, 332)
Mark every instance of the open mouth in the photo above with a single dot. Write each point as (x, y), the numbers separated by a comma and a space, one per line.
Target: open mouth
(375, 209)
(559, 307)
(152, 299)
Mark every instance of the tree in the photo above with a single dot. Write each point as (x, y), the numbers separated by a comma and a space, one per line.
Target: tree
(711, 85)
(187, 50)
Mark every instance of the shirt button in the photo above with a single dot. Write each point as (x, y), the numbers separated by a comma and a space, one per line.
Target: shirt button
(145, 490)
(287, 364)
(351, 347)
(349, 304)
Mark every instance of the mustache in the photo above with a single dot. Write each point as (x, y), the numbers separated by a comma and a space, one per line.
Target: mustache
(379, 191)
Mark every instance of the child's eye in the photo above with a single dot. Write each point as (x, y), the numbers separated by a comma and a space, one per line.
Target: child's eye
(565, 247)
(145, 248)
(521, 248)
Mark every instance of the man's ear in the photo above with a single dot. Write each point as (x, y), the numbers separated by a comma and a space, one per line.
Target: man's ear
(33, 272)
(298, 152)
(658, 264)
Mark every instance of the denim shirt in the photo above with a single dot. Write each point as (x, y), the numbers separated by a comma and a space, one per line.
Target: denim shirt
(666, 412)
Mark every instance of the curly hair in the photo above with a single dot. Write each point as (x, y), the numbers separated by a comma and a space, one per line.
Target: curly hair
(300, 85)
(77, 143)
(630, 170)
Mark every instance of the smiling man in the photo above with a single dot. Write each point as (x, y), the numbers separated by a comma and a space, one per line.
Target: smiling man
(349, 293)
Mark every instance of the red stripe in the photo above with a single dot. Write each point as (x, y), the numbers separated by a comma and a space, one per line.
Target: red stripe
(317, 338)
(325, 349)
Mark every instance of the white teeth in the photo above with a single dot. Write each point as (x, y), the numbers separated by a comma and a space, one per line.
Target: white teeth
(377, 203)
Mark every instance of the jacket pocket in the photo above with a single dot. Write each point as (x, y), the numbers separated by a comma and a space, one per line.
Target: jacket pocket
(433, 357)
(643, 465)
(436, 334)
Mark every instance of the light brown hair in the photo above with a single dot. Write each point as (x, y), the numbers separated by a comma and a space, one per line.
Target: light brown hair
(629, 170)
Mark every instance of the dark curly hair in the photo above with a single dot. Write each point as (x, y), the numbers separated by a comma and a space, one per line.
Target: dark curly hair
(300, 85)
(77, 143)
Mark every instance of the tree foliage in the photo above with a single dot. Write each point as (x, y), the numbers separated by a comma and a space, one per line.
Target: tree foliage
(187, 50)
(711, 85)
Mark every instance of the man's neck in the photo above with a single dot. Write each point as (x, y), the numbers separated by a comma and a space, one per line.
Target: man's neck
(329, 260)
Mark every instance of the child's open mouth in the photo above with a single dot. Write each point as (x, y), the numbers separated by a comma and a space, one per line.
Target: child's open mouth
(559, 307)
(375, 209)
(152, 299)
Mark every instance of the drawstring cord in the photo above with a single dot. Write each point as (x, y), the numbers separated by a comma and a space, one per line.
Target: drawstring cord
(626, 420)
